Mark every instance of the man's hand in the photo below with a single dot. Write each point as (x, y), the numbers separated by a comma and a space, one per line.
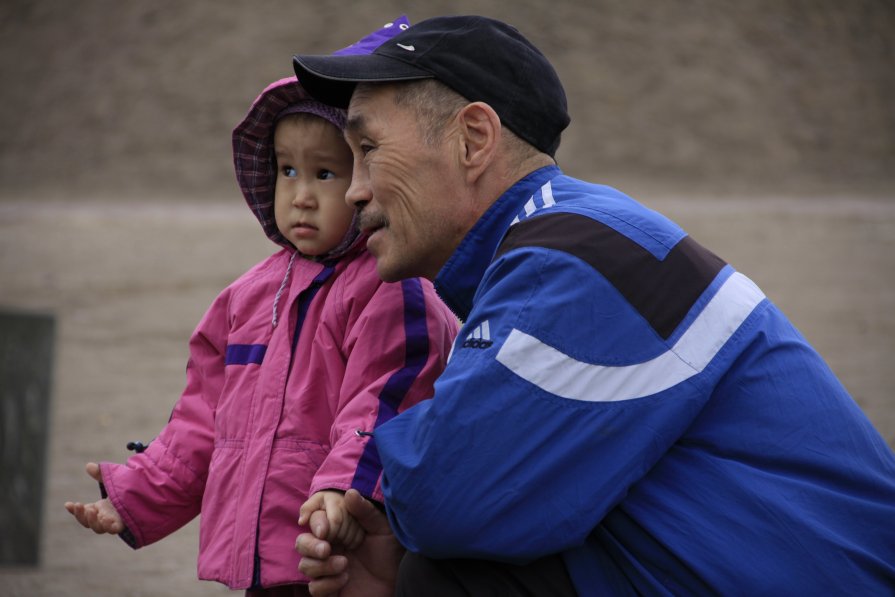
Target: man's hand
(370, 570)
(101, 515)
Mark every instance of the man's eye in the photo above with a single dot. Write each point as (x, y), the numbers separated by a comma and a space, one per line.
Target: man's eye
(289, 171)
(325, 174)
(365, 148)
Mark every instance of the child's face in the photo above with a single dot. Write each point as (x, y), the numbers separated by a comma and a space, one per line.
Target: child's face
(313, 173)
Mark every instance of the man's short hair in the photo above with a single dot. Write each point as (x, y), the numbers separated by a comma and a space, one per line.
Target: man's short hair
(434, 104)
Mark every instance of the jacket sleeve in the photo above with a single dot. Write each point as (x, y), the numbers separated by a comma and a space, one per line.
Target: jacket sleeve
(498, 467)
(159, 490)
(396, 345)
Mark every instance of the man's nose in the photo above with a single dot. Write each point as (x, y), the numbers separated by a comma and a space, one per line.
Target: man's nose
(359, 191)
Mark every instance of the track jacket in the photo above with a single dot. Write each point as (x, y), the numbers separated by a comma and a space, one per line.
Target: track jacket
(271, 414)
(621, 395)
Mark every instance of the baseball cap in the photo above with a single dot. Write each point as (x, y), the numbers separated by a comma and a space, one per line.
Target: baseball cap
(480, 58)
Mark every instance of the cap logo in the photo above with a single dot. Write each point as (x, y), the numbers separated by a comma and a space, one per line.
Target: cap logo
(408, 48)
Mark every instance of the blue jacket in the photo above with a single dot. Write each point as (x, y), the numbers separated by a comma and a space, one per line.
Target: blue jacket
(621, 395)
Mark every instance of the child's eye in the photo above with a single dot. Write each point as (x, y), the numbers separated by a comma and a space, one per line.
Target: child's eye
(289, 171)
(325, 175)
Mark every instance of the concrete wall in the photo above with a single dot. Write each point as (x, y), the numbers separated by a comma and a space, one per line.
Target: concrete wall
(110, 97)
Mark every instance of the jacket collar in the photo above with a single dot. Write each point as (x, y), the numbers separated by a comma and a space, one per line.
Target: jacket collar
(458, 280)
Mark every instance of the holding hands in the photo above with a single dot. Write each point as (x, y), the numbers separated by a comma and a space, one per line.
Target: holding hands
(369, 568)
(341, 528)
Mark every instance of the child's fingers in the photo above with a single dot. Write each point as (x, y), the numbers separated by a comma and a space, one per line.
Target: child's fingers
(336, 518)
(81, 515)
(93, 471)
(354, 536)
(98, 517)
(101, 519)
(77, 510)
(305, 512)
(91, 515)
(319, 524)
(96, 522)
(349, 531)
(110, 523)
(314, 503)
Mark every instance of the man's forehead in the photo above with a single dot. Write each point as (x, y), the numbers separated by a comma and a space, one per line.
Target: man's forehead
(365, 94)
(365, 105)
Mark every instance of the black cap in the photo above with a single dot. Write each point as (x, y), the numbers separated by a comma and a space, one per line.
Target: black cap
(480, 58)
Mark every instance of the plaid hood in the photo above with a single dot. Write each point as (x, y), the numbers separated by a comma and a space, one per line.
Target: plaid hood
(253, 154)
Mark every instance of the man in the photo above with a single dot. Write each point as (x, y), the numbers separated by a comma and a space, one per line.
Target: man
(618, 395)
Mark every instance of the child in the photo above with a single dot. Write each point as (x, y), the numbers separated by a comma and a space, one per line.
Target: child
(290, 370)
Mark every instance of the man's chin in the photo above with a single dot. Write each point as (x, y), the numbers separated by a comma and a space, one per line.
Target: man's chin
(386, 274)
(387, 270)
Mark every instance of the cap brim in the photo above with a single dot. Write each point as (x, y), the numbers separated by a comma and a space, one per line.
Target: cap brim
(331, 79)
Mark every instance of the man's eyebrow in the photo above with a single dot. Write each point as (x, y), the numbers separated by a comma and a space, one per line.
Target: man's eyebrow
(355, 123)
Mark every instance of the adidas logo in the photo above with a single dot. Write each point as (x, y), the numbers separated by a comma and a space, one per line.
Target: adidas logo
(480, 337)
(542, 199)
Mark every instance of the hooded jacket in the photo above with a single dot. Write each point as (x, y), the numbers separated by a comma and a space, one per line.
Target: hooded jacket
(290, 370)
(271, 414)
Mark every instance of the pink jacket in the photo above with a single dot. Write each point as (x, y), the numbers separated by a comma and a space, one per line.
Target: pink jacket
(264, 422)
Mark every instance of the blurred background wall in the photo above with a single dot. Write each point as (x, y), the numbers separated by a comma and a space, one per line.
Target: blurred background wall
(112, 98)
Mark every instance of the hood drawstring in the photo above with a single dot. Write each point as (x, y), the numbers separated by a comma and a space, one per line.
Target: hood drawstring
(285, 281)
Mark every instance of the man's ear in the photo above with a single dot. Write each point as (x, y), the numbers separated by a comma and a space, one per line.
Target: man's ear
(480, 128)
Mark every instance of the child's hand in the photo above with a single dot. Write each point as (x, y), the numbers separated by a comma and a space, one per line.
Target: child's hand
(101, 515)
(343, 529)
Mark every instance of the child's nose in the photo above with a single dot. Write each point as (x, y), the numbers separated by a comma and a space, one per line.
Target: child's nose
(304, 196)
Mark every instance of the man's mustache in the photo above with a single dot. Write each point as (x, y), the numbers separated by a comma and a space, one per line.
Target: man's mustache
(368, 221)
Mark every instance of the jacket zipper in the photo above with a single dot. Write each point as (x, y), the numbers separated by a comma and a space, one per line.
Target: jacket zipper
(304, 302)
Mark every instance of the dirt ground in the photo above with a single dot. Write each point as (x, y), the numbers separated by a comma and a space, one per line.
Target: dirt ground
(128, 282)
(766, 128)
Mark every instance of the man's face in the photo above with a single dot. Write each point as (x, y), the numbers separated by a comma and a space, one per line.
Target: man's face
(408, 193)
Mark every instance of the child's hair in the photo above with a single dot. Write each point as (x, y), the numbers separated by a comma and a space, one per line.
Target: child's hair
(253, 151)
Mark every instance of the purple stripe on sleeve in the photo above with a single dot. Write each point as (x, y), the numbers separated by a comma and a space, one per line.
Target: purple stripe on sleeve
(417, 353)
(244, 354)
